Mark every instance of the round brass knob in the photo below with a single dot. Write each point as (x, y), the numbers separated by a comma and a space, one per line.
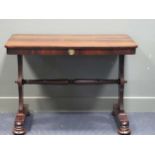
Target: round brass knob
(71, 51)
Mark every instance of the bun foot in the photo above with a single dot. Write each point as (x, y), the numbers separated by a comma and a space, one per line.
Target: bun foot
(123, 124)
(19, 124)
(19, 130)
(124, 131)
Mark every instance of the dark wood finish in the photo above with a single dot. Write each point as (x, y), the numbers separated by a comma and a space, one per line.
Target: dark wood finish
(64, 52)
(118, 109)
(71, 45)
(22, 112)
(71, 81)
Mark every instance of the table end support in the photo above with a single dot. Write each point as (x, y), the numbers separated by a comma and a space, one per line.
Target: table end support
(118, 109)
(19, 128)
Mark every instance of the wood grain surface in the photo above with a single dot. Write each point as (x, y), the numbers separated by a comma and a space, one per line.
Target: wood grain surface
(74, 41)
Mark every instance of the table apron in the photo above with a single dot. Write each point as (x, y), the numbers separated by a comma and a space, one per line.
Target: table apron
(87, 51)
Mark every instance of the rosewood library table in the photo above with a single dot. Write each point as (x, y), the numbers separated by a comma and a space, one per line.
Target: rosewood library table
(71, 46)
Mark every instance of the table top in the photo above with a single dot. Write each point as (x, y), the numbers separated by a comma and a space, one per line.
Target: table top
(75, 41)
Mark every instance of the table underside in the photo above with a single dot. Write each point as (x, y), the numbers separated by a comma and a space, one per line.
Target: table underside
(118, 109)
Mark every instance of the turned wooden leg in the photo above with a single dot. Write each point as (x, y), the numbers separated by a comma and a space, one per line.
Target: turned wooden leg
(19, 128)
(118, 109)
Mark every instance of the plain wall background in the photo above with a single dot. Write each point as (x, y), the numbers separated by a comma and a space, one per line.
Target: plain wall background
(139, 68)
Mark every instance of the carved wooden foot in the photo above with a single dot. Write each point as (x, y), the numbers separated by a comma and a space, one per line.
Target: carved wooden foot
(123, 124)
(122, 119)
(19, 128)
(19, 124)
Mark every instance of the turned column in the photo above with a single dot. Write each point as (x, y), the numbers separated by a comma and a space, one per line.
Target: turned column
(121, 84)
(19, 82)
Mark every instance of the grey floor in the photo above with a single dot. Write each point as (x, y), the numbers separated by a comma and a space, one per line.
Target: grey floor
(78, 123)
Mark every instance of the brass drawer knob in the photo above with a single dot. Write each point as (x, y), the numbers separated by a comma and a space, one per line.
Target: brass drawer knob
(71, 51)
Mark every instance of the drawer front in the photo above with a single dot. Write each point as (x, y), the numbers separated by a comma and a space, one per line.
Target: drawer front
(72, 51)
